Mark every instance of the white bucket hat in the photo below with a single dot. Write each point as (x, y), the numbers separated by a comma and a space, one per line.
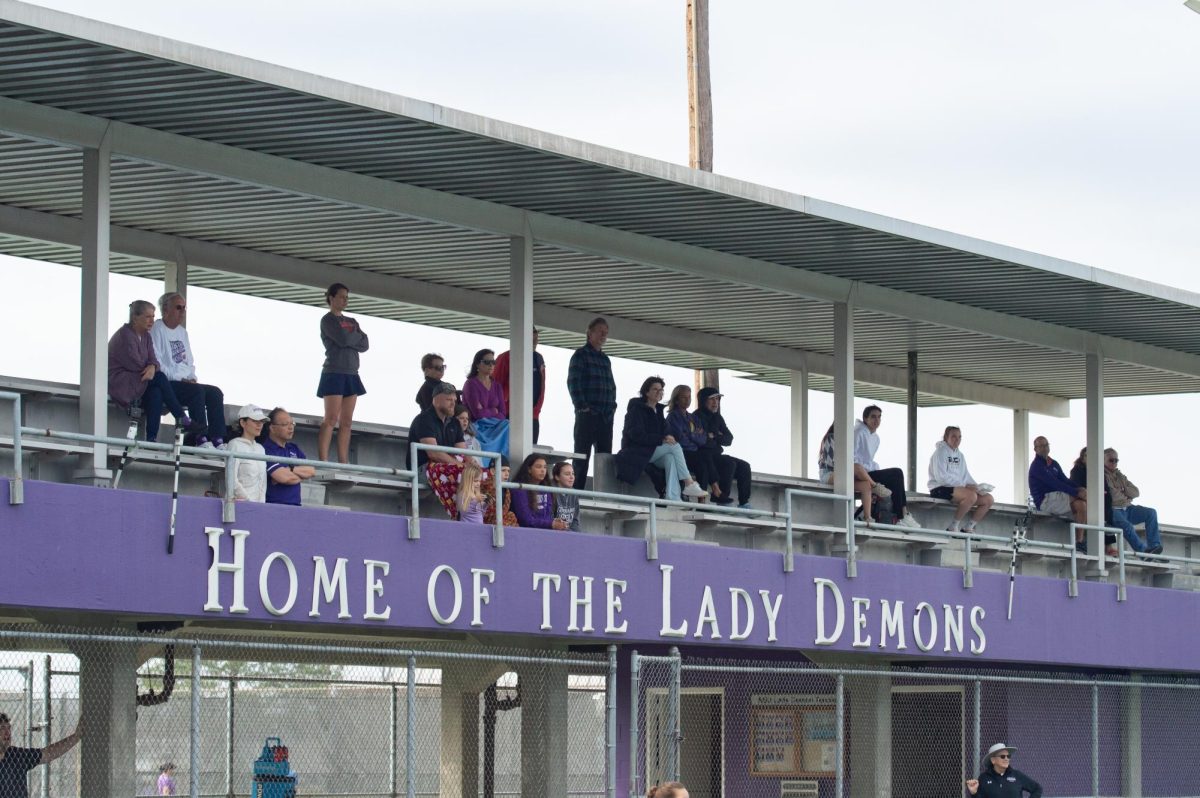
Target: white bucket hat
(997, 748)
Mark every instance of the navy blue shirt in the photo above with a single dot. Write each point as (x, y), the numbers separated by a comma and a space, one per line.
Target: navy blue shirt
(13, 767)
(278, 493)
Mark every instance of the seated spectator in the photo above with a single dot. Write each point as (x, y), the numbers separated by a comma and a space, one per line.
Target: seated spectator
(866, 444)
(534, 509)
(134, 376)
(539, 383)
(485, 402)
(645, 440)
(489, 490)
(717, 437)
(438, 427)
(173, 348)
(864, 486)
(1079, 477)
(951, 480)
(283, 480)
(470, 498)
(1053, 493)
(1126, 514)
(464, 419)
(249, 476)
(434, 368)
(689, 431)
(566, 505)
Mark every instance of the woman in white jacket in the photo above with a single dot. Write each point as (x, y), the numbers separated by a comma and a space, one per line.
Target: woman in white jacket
(950, 479)
(249, 476)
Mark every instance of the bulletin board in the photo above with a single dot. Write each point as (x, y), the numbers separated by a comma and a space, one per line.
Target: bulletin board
(793, 741)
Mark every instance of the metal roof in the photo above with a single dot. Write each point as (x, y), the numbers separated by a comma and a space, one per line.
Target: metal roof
(741, 273)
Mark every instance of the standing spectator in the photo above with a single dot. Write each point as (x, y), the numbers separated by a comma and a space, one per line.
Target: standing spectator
(594, 395)
(15, 763)
(283, 481)
(717, 437)
(173, 348)
(998, 780)
(434, 368)
(166, 780)
(438, 427)
(670, 789)
(866, 444)
(485, 402)
(469, 498)
(949, 479)
(687, 428)
(539, 383)
(1053, 493)
(566, 505)
(340, 385)
(1125, 513)
(864, 486)
(1079, 476)
(134, 375)
(645, 441)
(534, 509)
(249, 476)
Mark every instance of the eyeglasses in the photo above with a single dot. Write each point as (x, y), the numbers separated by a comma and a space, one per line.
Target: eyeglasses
(289, 424)
(181, 307)
(1112, 460)
(1003, 756)
(488, 362)
(438, 368)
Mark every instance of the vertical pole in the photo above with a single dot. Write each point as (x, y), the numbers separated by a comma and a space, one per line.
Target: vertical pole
(520, 340)
(610, 713)
(840, 747)
(1095, 453)
(194, 737)
(1022, 455)
(676, 710)
(29, 704)
(912, 421)
(700, 135)
(393, 733)
(410, 743)
(230, 715)
(635, 666)
(16, 488)
(1095, 741)
(1131, 766)
(800, 423)
(175, 274)
(47, 676)
(93, 317)
(976, 740)
(414, 521)
(843, 416)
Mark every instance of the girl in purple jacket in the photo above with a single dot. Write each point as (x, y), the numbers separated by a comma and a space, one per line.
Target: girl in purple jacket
(534, 509)
(688, 430)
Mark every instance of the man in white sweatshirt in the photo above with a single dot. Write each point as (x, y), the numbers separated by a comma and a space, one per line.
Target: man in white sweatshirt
(866, 443)
(173, 348)
(950, 479)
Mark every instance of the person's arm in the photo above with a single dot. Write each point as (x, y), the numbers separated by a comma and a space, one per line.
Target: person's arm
(472, 395)
(526, 515)
(1032, 787)
(723, 435)
(1127, 487)
(677, 426)
(541, 397)
(501, 399)
(862, 452)
(973, 786)
(577, 382)
(438, 457)
(304, 472)
(500, 375)
(55, 750)
(280, 474)
(334, 333)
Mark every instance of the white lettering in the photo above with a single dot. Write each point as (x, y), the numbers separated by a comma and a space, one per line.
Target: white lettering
(584, 601)
(825, 586)
(953, 619)
(772, 610)
(891, 623)
(667, 630)
(293, 584)
(708, 615)
(375, 589)
(614, 606)
(980, 645)
(861, 605)
(431, 595)
(237, 568)
(738, 598)
(480, 593)
(324, 585)
(546, 580)
(922, 644)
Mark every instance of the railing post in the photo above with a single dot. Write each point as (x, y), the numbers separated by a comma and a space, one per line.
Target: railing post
(194, 736)
(16, 488)
(851, 542)
(839, 790)
(968, 574)
(410, 743)
(652, 533)
(498, 529)
(228, 514)
(789, 560)
(414, 521)
(635, 667)
(1073, 584)
(1121, 567)
(610, 714)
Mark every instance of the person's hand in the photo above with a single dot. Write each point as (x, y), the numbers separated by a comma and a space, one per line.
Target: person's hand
(558, 523)
(1082, 494)
(669, 440)
(148, 373)
(191, 381)
(972, 786)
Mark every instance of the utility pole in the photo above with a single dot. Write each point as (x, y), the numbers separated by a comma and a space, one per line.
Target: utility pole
(700, 137)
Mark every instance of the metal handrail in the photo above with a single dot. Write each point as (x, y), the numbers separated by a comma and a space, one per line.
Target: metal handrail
(1120, 535)
(16, 488)
(789, 560)
(414, 521)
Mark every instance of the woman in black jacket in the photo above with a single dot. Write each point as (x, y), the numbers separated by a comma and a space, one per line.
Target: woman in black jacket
(1079, 477)
(645, 441)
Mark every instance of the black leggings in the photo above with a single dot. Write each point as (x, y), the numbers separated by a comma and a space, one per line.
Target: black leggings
(893, 479)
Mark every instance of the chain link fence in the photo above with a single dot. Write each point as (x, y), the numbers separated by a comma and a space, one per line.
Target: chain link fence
(777, 728)
(357, 720)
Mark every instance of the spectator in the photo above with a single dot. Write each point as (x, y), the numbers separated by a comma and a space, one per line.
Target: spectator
(645, 441)
(539, 383)
(15, 763)
(469, 439)
(469, 498)
(489, 490)
(434, 368)
(534, 509)
(594, 395)
(134, 376)
(687, 428)
(998, 780)
(1079, 477)
(166, 780)
(173, 349)
(249, 476)
(717, 437)
(438, 427)
(340, 385)
(1125, 513)
(866, 444)
(485, 402)
(1053, 493)
(670, 789)
(566, 505)
(950, 479)
(864, 486)
(283, 481)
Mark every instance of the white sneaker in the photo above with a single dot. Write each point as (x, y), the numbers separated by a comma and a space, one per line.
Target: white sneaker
(694, 490)
(953, 527)
(881, 490)
(909, 521)
(969, 526)
(206, 445)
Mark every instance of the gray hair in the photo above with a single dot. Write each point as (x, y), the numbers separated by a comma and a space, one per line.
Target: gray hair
(165, 300)
(139, 306)
(443, 388)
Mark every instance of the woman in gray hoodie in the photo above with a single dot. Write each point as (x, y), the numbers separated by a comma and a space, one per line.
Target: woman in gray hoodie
(950, 479)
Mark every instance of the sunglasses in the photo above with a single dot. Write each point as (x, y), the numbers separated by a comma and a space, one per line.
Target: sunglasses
(181, 307)
(1003, 756)
(488, 362)
(438, 368)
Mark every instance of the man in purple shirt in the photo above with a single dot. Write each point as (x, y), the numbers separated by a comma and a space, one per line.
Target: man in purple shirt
(283, 481)
(1054, 493)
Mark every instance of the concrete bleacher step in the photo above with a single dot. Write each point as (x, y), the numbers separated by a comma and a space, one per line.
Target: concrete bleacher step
(743, 521)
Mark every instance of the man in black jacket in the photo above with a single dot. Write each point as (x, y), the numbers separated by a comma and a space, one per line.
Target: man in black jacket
(998, 780)
(708, 406)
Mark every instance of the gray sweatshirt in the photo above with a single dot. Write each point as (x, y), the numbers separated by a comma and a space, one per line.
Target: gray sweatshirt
(343, 341)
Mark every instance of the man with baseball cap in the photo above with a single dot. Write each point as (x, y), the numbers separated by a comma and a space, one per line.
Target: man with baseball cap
(998, 780)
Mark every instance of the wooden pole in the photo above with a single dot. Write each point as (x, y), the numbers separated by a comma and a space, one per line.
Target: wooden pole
(700, 138)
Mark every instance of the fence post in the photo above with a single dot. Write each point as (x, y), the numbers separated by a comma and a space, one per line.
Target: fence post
(1095, 740)
(230, 713)
(393, 764)
(194, 764)
(840, 726)
(676, 732)
(47, 675)
(635, 667)
(410, 745)
(610, 714)
(978, 723)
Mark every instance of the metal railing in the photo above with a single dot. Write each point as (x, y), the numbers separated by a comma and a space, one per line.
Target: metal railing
(851, 543)
(16, 488)
(414, 521)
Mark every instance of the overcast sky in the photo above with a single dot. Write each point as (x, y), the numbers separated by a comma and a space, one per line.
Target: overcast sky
(1067, 128)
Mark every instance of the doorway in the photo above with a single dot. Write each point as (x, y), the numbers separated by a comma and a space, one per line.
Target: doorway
(928, 741)
(702, 749)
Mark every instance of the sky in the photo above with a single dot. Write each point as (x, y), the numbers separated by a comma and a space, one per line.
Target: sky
(1065, 128)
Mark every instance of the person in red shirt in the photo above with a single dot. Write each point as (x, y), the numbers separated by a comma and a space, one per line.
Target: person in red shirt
(500, 375)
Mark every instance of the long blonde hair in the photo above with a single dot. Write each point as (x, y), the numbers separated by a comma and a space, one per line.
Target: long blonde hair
(468, 485)
(670, 789)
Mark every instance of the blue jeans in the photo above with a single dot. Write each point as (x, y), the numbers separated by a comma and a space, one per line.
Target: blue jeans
(158, 393)
(1128, 517)
(669, 457)
(205, 405)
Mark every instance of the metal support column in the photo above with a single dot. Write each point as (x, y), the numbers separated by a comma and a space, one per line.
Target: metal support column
(1095, 455)
(840, 747)
(93, 309)
(410, 743)
(1022, 455)
(843, 416)
(175, 273)
(194, 737)
(912, 421)
(800, 423)
(976, 739)
(673, 715)
(47, 721)
(520, 347)
(230, 716)
(1095, 741)
(610, 734)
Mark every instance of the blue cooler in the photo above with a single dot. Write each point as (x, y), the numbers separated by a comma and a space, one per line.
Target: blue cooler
(273, 774)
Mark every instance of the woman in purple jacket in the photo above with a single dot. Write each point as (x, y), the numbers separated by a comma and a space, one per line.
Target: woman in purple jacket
(134, 373)
(484, 398)
(534, 509)
(688, 429)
